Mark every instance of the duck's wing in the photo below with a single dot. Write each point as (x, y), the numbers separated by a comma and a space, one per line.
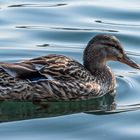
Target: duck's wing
(60, 67)
(20, 70)
(65, 90)
(50, 67)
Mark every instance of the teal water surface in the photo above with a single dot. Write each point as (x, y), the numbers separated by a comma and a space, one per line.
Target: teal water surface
(33, 28)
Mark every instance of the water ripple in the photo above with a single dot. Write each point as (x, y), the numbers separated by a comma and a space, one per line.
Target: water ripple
(119, 109)
(133, 53)
(37, 5)
(66, 28)
(116, 24)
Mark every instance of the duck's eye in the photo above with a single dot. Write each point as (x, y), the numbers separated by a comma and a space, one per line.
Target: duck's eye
(119, 57)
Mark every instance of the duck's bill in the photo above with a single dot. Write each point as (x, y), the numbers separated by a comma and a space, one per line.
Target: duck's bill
(129, 62)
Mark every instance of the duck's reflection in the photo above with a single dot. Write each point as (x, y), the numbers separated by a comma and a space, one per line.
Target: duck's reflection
(17, 110)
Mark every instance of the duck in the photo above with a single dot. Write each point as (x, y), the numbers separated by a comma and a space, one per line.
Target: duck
(58, 77)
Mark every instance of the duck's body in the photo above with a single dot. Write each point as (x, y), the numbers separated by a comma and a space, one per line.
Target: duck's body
(53, 77)
(57, 77)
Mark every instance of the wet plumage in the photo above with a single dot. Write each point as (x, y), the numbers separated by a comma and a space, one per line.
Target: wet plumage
(57, 77)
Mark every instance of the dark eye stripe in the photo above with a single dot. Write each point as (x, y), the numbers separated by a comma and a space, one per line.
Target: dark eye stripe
(113, 45)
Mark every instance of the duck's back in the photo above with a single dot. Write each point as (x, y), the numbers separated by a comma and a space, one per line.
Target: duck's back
(61, 68)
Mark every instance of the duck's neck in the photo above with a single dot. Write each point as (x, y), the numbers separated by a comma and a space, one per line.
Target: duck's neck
(95, 62)
(100, 71)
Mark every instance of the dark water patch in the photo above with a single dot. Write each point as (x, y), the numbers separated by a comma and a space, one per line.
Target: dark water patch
(71, 47)
(38, 5)
(76, 29)
(43, 45)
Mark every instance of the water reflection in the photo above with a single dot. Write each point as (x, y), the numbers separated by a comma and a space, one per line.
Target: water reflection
(17, 110)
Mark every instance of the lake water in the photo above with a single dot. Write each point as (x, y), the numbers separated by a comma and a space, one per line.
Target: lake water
(33, 28)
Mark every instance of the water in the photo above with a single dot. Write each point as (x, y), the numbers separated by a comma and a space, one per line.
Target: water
(33, 28)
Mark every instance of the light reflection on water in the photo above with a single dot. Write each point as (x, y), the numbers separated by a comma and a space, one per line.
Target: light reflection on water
(34, 28)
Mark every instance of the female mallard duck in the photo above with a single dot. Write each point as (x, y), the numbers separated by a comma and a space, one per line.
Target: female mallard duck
(57, 77)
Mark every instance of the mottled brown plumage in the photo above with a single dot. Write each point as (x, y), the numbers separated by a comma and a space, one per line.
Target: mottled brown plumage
(57, 77)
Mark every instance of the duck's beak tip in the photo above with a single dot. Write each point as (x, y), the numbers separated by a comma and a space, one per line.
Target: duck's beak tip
(130, 62)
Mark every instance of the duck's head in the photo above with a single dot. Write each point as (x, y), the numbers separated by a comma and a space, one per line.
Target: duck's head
(103, 48)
